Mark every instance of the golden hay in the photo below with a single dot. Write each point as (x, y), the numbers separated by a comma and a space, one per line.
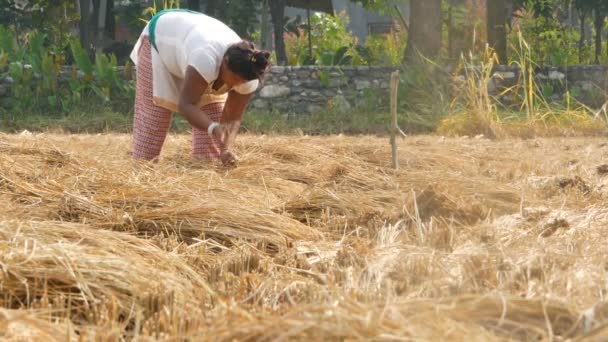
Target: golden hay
(481, 318)
(51, 264)
(16, 325)
(308, 238)
(106, 200)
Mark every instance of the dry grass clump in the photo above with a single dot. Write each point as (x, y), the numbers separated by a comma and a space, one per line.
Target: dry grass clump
(16, 325)
(482, 318)
(93, 273)
(148, 205)
(568, 123)
(307, 239)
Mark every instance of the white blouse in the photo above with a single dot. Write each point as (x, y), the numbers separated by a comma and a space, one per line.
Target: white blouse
(185, 39)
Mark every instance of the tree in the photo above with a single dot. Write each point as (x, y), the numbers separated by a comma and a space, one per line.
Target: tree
(101, 25)
(211, 7)
(265, 20)
(85, 24)
(455, 26)
(425, 26)
(194, 5)
(277, 14)
(584, 8)
(240, 15)
(51, 17)
(110, 27)
(600, 9)
(496, 26)
(541, 8)
(425, 30)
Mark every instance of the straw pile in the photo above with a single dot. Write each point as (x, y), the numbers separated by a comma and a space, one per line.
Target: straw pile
(51, 264)
(465, 318)
(20, 326)
(307, 239)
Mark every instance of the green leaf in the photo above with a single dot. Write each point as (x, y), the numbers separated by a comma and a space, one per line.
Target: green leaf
(3, 60)
(326, 58)
(8, 42)
(48, 66)
(100, 92)
(81, 58)
(15, 70)
(324, 78)
(28, 75)
(53, 101)
(36, 43)
(340, 56)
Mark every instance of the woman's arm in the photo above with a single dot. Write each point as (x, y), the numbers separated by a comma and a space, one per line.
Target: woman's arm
(191, 92)
(231, 117)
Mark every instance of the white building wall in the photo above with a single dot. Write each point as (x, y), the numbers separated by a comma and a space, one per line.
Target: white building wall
(360, 19)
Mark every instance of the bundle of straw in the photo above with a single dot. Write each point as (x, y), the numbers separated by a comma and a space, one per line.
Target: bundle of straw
(21, 325)
(481, 318)
(45, 264)
(145, 204)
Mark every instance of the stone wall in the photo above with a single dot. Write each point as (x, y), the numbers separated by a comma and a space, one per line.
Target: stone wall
(587, 84)
(309, 89)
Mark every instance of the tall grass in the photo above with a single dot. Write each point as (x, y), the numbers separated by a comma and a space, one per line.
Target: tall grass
(526, 65)
(476, 110)
(425, 94)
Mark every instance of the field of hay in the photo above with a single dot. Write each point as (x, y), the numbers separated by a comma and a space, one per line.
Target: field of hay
(309, 238)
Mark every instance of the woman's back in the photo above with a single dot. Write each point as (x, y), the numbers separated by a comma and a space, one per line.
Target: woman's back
(185, 38)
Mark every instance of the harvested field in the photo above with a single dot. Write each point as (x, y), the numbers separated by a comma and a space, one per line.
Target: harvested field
(310, 238)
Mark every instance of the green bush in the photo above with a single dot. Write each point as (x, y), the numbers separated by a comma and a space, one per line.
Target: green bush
(332, 43)
(35, 67)
(385, 49)
(551, 42)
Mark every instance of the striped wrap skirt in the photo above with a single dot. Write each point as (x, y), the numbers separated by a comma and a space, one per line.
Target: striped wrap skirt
(151, 122)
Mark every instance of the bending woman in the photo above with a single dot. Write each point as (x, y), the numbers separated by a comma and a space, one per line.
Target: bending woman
(193, 64)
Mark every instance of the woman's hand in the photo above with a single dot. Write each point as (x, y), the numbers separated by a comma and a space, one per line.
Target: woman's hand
(231, 117)
(219, 134)
(228, 158)
(222, 133)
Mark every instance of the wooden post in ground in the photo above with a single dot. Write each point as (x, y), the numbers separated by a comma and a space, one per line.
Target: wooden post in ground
(394, 126)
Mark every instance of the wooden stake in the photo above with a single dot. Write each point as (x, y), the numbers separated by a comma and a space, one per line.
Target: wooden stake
(394, 126)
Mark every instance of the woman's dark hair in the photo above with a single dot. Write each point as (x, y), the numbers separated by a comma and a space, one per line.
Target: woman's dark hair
(246, 61)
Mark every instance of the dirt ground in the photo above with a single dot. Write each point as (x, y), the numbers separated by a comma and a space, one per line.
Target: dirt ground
(309, 238)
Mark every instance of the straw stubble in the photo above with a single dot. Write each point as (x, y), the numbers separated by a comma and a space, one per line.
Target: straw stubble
(308, 238)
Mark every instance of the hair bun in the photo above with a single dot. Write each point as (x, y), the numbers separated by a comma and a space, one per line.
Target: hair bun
(246, 61)
(261, 59)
